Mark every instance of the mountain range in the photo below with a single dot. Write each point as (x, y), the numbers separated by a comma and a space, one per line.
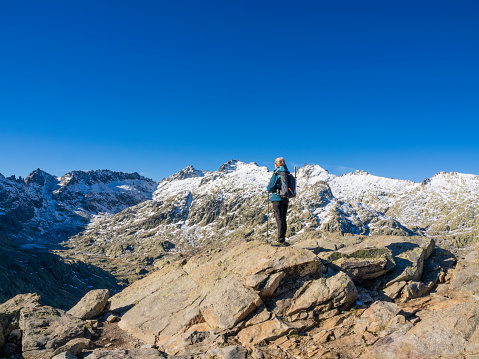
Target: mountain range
(193, 206)
(126, 223)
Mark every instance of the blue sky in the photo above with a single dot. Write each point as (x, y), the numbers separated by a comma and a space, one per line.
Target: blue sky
(390, 87)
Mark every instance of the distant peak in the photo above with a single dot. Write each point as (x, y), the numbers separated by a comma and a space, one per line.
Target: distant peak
(187, 172)
(230, 166)
(38, 177)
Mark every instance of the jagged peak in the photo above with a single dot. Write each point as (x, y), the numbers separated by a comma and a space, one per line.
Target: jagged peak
(237, 165)
(230, 166)
(314, 173)
(39, 177)
(187, 172)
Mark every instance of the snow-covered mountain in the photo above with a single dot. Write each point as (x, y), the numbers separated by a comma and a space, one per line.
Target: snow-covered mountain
(194, 209)
(44, 208)
(117, 213)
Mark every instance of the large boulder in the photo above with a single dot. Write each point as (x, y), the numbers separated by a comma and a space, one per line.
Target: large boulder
(230, 352)
(172, 306)
(10, 314)
(91, 305)
(337, 291)
(390, 259)
(229, 302)
(215, 290)
(46, 329)
(361, 264)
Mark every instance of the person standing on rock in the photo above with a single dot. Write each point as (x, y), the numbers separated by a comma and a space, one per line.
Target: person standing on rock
(280, 205)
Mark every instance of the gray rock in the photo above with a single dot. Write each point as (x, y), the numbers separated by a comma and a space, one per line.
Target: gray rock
(75, 346)
(112, 318)
(47, 328)
(10, 311)
(416, 290)
(15, 335)
(174, 296)
(361, 264)
(231, 352)
(91, 305)
(339, 291)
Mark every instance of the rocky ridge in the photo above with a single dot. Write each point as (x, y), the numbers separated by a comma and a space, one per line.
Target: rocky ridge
(338, 297)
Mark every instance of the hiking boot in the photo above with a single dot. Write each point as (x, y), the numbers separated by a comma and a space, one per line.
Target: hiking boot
(279, 244)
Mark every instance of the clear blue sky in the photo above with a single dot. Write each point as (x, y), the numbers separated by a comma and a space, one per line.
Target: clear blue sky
(390, 87)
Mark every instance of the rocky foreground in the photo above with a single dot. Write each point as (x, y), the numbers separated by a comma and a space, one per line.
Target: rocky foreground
(348, 297)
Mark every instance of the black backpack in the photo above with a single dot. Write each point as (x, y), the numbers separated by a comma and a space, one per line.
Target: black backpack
(288, 185)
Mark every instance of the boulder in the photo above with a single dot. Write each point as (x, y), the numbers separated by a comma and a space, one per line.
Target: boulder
(228, 302)
(377, 317)
(339, 291)
(408, 256)
(10, 312)
(172, 306)
(416, 289)
(91, 305)
(449, 333)
(46, 329)
(75, 346)
(361, 264)
(231, 352)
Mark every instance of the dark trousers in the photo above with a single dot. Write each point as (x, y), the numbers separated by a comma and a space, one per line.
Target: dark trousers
(280, 209)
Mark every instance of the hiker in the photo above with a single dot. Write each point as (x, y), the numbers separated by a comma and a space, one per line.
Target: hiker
(280, 205)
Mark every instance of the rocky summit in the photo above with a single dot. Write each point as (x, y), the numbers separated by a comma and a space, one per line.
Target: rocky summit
(374, 297)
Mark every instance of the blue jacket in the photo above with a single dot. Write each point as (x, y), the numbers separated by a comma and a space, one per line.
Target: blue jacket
(275, 184)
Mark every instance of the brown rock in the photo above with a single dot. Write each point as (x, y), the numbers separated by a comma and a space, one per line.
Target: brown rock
(228, 303)
(269, 330)
(378, 315)
(218, 288)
